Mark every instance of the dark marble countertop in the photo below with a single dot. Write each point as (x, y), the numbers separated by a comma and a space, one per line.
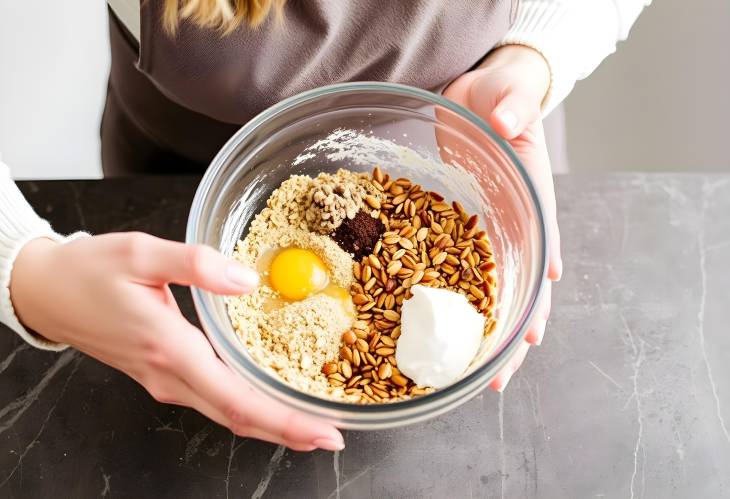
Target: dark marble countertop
(629, 395)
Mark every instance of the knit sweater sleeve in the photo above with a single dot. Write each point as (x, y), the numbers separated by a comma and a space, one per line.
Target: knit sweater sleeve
(574, 36)
(18, 225)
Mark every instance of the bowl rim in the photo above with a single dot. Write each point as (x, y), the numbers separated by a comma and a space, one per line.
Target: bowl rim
(306, 401)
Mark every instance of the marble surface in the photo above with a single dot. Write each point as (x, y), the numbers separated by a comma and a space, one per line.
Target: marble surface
(629, 395)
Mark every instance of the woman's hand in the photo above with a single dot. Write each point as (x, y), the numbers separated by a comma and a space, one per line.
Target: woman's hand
(108, 296)
(507, 91)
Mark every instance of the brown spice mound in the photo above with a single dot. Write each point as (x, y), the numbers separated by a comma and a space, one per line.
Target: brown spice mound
(359, 234)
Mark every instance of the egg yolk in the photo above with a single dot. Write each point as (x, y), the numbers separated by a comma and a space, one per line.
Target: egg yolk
(297, 273)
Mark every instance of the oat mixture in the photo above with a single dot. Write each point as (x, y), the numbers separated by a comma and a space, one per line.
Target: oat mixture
(377, 237)
(294, 341)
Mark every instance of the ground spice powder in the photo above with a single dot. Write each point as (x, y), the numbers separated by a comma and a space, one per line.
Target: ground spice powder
(359, 234)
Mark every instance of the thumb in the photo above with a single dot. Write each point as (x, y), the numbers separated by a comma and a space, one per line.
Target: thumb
(158, 261)
(513, 111)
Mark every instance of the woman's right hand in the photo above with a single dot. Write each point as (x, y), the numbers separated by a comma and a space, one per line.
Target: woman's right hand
(109, 297)
(507, 90)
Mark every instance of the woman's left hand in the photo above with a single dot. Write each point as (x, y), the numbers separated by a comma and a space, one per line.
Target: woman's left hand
(507, 91)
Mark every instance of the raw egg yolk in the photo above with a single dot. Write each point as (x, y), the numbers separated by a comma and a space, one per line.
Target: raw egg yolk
(297, 273)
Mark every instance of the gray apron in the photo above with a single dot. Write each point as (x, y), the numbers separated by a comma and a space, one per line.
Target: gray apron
(172, 102)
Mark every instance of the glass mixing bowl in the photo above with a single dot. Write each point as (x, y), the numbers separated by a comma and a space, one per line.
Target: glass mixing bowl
(408, 133)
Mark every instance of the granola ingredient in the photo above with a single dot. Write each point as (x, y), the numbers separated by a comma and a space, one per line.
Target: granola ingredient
(359, 234)
(292, 340)
(297, 273)
(428, 242)
(295, 341)
(440, 335)
(410, 238)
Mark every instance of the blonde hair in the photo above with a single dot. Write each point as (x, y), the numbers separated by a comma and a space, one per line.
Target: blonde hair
(223, 15)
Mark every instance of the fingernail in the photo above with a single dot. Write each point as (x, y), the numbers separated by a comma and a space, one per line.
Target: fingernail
(242, 276)
(505, 382)
(508, 118)
(555, 271)
(328, 444)
(539, 338)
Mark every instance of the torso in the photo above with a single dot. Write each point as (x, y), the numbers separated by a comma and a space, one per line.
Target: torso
(230, 79)
(424, 43)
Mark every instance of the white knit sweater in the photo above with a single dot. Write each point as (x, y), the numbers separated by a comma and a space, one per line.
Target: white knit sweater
(574, 36)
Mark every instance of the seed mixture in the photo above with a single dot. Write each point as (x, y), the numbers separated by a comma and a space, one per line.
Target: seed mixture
(378, 237)
(428, 242)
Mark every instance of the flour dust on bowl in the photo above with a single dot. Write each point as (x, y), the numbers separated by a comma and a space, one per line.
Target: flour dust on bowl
(368, 207)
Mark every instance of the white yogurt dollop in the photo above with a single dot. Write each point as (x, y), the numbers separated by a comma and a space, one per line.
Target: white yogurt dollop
(440, 335)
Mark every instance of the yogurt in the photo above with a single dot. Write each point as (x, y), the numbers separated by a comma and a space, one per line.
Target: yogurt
(440, 335)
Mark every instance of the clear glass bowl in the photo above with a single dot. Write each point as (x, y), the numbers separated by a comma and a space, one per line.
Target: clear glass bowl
(409, 133)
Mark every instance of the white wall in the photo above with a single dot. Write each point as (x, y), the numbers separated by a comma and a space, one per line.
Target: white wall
(662, 102)
(54, 59)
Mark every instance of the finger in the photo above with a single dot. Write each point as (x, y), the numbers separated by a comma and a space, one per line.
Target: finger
(514, 110)
(171, 389)
(164, 387)
(270, 437)
(536, 330)
(169, 298)
(499, 383)
(555, 260)
(250, 413)
(458, 90)
(238, 403)
(547, 300)
(555, 269)
(532, 150)
(202, 406)
(154, 260)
